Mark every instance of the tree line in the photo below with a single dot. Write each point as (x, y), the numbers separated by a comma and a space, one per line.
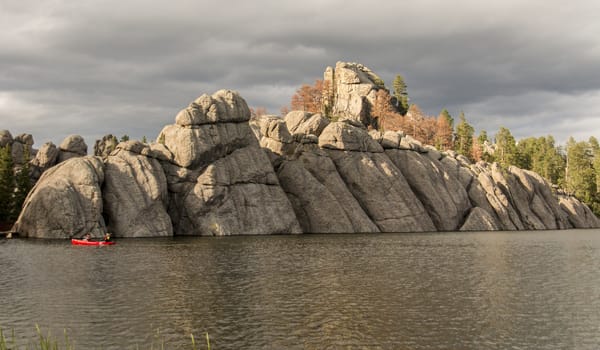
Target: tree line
(15, 183)
(575, 167)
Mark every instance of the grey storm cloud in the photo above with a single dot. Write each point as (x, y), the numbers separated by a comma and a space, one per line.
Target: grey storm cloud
(125, 67)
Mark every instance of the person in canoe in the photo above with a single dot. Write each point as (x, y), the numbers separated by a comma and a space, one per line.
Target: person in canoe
(86, 237)
(107, 237)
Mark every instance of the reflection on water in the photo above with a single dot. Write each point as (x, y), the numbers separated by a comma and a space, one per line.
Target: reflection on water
(388, 291)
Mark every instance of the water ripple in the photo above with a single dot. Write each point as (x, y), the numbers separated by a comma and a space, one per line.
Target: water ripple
(421, 291)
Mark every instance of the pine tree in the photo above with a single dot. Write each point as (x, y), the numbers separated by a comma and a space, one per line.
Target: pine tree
(23, 185)
(464, 137)
(400, 94)
(581, 178)
(7, 184)
(506, 149)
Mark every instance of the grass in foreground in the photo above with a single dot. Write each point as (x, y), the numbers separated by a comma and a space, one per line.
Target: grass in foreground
(47, 342)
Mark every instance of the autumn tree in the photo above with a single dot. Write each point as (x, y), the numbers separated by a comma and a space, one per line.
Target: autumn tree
(463, 143)
(310, 98)
(443, 134)
(400, 94)
(382, 107)
(477, 152)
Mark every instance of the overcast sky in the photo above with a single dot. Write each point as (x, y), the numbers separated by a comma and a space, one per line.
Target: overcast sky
(127, 67)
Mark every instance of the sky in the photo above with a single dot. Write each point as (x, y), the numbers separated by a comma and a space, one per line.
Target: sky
(92, 67)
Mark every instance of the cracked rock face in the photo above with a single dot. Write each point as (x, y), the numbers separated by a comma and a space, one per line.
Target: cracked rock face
(66, 202)
(221, 182)
(135, 193)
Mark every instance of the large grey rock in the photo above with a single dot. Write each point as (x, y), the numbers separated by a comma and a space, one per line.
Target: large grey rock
(320, 198)
(346, 137)
(66, 202)
(135, 193)
(509, 218)
(199, 146)
(540, 199)
(382, 191)
(480, 220)
(224, 106)
(235, 195)
(353, 89)
(45, 158)
(579, 214)
(444, 197)
(208, 129)
(275, 135)
(71, 147)
(300, 122)
(104, 146)
(26, 139)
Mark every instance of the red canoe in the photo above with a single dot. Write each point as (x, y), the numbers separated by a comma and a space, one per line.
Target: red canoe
(75, 241)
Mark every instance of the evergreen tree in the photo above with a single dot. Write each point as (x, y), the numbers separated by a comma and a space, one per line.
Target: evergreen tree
(7, 184)
(506, 148)
(400, 94)
(482, 139)
(542, 156)
(23, 185)
(581, 178)
(144, 139)
(124, 138)
(464, 137)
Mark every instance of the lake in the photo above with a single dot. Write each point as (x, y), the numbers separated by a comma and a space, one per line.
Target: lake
(521, 290)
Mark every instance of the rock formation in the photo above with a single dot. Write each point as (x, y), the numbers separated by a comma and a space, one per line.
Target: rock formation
(221, 182)
(71, 147)
(216, 172)
(65, 202)
(352, 90)
(135, 192)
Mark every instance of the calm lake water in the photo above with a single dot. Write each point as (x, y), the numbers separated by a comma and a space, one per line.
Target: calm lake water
(526, 290)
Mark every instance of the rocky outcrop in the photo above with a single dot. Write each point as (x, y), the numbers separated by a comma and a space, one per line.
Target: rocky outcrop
(46, 157)
(135, 193)
(71, 147)
(221, 182)
(216, 172)
(305, 123)
(444, 197)
(480, 220)
(104, 146)
(578, 214)
(320, 198)
(352, 90)
(66, 202)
